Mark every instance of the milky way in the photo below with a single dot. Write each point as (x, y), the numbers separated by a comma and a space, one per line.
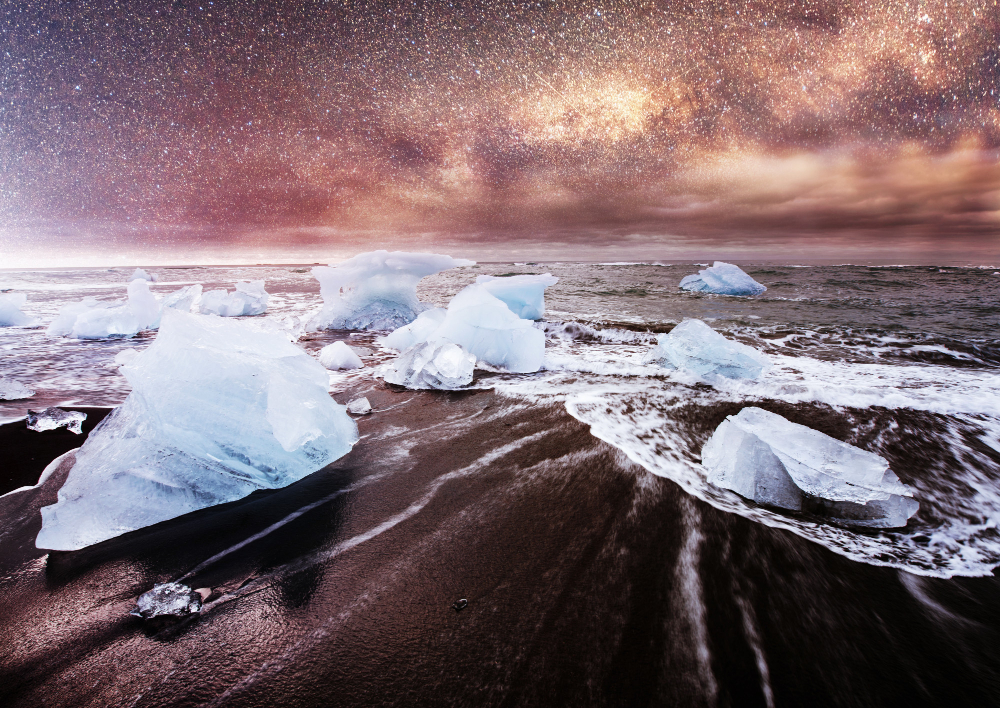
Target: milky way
(494, 116)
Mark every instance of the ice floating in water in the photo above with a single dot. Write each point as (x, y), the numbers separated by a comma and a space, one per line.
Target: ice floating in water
(763, 457)
(52, 418)
(417, 331)
(140, 274)
(376, 290)
(694, 346)
(219, 408)
(91, 319)
(438, 364)
(11, 390)
(339, 356)
(168, 600)
(10, 311)
(523, 294)
(125, 356)
(722, 279)
(359, 406)
(249, 298)
(184, 298)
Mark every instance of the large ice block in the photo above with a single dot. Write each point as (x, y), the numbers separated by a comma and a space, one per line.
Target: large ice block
(417, 331)
(10, 311)
(694, 346)
(439, 364)
(722, 279)
(523, 294)
(91, 319)
(249, 298)
(376, 290)
(766, 458)
(219, 408)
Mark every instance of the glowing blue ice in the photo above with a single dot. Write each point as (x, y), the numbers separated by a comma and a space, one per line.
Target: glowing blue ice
(523, 294)
(722, 279)
(694, 346)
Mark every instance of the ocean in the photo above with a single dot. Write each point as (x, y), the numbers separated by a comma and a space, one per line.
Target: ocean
(568, 507)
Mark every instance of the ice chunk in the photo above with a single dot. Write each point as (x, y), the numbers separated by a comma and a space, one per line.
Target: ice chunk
(523, 294)
(184, 298)
(52, 418)
(696, 347)
(125, 356)
(339, 356)
(63, 323)
(91, 319)
(249, 298)
(440, 364)
(722, 279)
(376, 290)
(359, 406)
(11, 390)
(10, 311)
(417, 331)
(219, 408)
(763, 457)
(168, 600)
(140, 274)
(485, 326)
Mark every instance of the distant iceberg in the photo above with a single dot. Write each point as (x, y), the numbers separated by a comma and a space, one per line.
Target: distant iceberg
(10, 311)
(523, 294)
(339, 356)
(376, 290)
(219, 408)
(249, 298)
(91, 319)
(437, 365)
(770, 460)
(694, 346)
(722, 279)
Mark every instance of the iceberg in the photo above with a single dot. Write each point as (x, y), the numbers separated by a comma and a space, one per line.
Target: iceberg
(417, 331)
(694, 346)
(11, 390)
(376, 290)
(339, 356)
(440, 365)
(184, 298)
(10, 311)
(722, 279)
(523, 294)
(91, 319)
(219, 408)
(249, 298)
(52, 418)
(140, 274)
(766, 458)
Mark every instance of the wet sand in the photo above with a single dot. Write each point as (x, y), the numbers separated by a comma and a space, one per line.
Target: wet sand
(589, 582)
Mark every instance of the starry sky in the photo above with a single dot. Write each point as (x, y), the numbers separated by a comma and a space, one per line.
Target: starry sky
(817, 125)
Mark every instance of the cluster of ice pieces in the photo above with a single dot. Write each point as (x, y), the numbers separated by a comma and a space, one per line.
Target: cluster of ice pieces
(11, 390)
(694, 346)
(91, 319)
(219, 408)
(52, 418)
(523, 294)
(439, 364)
(763, 457)
(376, 290)
(338, 356)
(249, 298)
(10, 311)
(722, 279)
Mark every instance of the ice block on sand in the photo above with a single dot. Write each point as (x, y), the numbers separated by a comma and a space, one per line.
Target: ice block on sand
(722, 279)
(523, 294)
(766, 458)
(694, 346)
(376, 290)
(339, 356)
(417, 331)
(52, 418)
(440, 365)
(219, 408)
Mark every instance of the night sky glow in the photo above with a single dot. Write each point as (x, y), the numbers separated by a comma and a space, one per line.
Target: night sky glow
(821, 124)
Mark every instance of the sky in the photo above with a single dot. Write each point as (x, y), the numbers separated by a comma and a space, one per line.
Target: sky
(297, 131)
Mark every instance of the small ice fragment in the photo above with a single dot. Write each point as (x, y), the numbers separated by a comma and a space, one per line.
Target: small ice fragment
(376, 290)
(10, 311)
(460, 604)
(523, 294)
(417, 331)
(359, 406)
(722, 279)
(763, 457)
(184, 298)
(168, 600)
(140, 274)
(11, 390)
(339, 356)
(52, 418)
(125, 356)
(439, 365)
(694, 346)
(249, 298)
